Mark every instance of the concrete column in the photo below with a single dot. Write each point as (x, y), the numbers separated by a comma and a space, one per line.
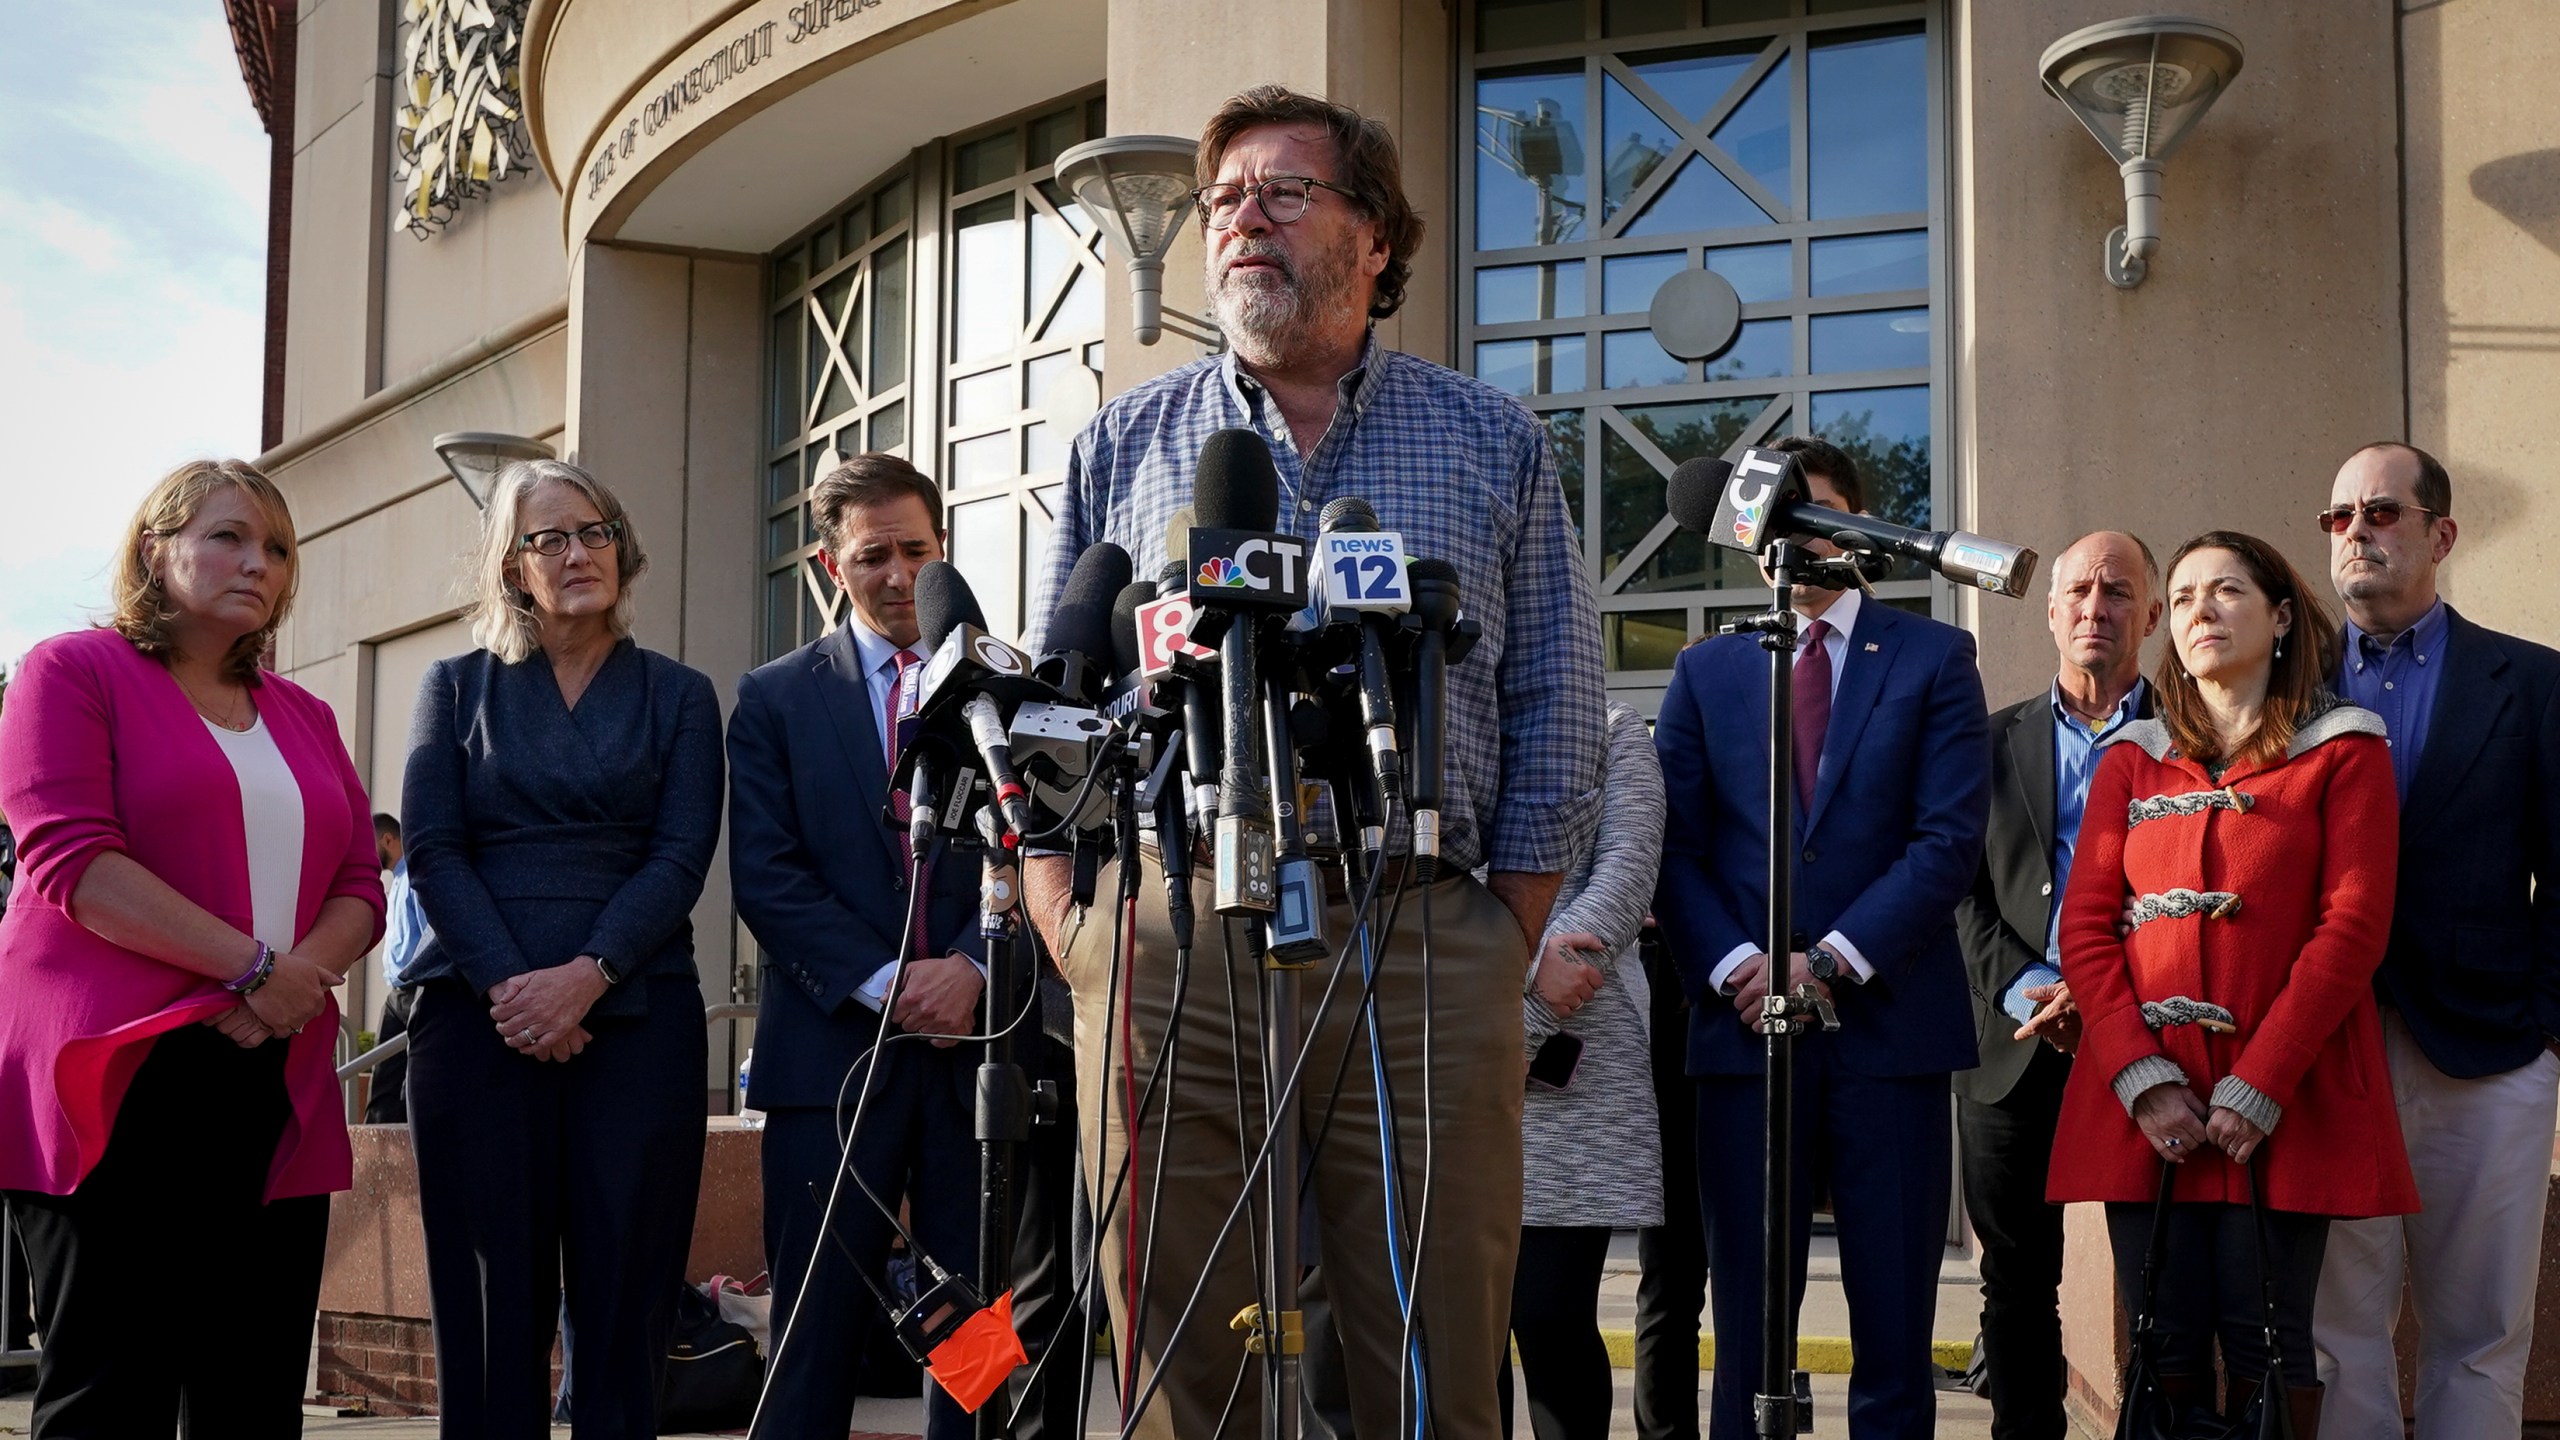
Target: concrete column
(1173, 63)
(664, 380)
(2265, 345)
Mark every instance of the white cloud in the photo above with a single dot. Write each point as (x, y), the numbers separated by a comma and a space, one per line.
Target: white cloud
(132, 236)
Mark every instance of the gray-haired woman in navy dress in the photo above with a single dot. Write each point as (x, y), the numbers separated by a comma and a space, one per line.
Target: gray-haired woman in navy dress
(563, 800)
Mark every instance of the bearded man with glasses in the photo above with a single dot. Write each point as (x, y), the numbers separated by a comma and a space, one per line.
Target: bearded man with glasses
(2470, 986)
(1309, 239)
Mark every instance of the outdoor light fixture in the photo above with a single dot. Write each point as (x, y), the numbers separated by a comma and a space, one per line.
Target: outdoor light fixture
(1137, 188)
(2140, 84)
(476, 456)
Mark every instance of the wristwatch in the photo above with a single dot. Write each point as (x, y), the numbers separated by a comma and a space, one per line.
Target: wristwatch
(1823, 965)
(611, 972)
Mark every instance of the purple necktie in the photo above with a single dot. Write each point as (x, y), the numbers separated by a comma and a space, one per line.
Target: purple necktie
(1813, 709)
(897, 719)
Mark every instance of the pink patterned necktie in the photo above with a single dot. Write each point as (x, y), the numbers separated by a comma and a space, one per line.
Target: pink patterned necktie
(1813, 709)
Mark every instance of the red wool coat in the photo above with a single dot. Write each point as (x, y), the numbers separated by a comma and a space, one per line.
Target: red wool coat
(2310, 845)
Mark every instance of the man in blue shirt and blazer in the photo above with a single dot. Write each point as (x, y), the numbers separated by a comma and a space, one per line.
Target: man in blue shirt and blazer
(2470, 982)
(1893, 783)
(821, 880)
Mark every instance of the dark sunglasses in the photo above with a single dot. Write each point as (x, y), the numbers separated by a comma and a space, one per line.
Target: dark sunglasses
(2380, 514)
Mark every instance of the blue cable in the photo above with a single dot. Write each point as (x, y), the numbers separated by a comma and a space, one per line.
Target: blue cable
(1387, 1162)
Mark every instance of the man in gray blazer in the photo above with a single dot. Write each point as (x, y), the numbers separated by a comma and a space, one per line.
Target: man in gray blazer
(2104, 602)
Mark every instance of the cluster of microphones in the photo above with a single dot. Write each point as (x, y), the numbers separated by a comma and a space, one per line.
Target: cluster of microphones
(1287, 699)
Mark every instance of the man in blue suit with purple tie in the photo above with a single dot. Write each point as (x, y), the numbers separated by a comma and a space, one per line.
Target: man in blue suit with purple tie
(1893, 767)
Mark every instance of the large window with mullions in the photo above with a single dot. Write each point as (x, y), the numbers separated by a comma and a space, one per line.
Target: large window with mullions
(951, 313)
(1790, 146)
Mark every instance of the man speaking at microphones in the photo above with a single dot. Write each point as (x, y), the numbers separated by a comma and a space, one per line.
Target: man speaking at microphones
(1309, 238)
(1892, 781)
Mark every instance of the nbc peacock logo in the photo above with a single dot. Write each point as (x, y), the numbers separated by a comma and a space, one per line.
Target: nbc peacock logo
(1219, 570)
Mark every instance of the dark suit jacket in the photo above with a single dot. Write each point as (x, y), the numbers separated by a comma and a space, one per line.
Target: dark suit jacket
(538, 833)
(815, 867)
(2004, 919)
(1888, 847)
(2474, 960)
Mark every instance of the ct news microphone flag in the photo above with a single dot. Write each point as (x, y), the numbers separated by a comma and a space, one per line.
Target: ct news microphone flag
(973, 1362)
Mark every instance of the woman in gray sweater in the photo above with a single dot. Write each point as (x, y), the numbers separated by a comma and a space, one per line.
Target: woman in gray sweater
(1592, 1158)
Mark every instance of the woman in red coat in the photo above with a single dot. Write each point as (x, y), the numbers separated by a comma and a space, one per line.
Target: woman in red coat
(2239, 853)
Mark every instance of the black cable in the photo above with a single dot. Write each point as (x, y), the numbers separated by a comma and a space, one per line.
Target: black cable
(918, 868)
(1169, 1062)
(1261, 1157)
(1228, 1411)
(1422, 1222)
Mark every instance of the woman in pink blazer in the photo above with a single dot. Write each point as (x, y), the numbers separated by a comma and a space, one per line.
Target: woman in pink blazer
(196, 871)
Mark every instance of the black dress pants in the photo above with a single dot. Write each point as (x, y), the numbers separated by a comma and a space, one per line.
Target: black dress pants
(1555, 1320)
(2005, 1150)
(917, 1141)
(172, 1224)
(1671, 1291)
(532, 1173)
(1047, 1260)
(2209, 1286)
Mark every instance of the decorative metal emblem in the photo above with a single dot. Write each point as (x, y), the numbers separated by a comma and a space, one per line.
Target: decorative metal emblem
(460, 129)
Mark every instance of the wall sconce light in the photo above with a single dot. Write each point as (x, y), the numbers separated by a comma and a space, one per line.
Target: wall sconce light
(2139, 85)
(1137, 188)
(476, 456)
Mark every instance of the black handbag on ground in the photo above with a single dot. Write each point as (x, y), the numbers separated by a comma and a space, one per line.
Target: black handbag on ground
(714, 1370)
(2149, 1411)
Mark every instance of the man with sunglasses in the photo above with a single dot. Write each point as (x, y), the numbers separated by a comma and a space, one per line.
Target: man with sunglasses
(2470, 985)
(1309, 240)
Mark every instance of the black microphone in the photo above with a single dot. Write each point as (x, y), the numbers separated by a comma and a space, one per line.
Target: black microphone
(1201, 748)
(1751, 504)
(1080, 628)
(1352, 515)
(1241, 567)
(1436, 606)
(969, 669)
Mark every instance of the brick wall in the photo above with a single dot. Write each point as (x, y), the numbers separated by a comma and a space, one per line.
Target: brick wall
(380, 1364)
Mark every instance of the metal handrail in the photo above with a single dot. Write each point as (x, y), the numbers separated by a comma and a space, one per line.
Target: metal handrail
(399, 1044)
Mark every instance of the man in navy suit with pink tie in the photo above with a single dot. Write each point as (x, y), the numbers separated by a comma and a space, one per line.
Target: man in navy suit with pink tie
(1892, 780)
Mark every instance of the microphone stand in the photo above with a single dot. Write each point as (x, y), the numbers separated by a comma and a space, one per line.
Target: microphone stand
(1783, 1404)
(1278, 1331)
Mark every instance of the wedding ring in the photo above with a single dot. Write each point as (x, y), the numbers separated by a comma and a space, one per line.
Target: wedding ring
(2174, 1142)
(528, 1039)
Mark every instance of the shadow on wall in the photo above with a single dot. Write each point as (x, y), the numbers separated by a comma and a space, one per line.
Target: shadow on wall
(2526, 189)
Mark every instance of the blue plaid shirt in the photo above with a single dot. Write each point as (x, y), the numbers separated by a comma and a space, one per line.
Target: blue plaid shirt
(1464, 474)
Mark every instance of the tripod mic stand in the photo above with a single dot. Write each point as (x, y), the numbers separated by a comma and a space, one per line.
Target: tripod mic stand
(1783, 1405)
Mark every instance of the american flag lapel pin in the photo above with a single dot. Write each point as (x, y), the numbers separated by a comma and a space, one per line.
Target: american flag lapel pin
(1871, 647)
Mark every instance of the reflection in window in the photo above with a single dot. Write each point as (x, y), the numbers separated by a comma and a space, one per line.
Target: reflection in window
(1887, 433)
(1870, 124)
(1506, 293)
(1871, 340)
(1627, 282)
(1633, 358)
(1866, 264)
(1644, 639)
(1532, 367)
(1529, 158)
(1756, 272)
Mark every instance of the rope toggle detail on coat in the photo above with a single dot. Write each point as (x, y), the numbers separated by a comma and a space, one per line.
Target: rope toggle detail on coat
(2179, 1010)
(2161, 807)
(2181, 903)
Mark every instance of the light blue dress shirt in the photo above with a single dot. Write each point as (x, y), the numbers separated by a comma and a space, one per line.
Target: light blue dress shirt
(404, 924)
(2075, 759)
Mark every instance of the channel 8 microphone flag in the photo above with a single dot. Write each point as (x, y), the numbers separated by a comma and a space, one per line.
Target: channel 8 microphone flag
(973, 1361)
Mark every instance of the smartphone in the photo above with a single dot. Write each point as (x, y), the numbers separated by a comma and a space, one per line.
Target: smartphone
(1556, 1060)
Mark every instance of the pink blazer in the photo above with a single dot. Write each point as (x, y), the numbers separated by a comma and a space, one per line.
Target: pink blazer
(100, 750)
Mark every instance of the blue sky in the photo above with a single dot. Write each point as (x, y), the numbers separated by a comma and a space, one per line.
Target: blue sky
(133, 182)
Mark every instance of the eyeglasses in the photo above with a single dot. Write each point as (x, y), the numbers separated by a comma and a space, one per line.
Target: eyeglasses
(2380, 514)
(1283, 198)
(556, 542)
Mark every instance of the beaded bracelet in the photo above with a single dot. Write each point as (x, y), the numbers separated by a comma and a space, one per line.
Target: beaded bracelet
(257, 973)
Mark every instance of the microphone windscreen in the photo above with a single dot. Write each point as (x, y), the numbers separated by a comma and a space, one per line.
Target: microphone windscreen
(1082, 621)
(1349, 513)
(944, 603)
(1237, 487)
(1125, 655)
(1434, 582)
(1693, 490)
(1171, 579)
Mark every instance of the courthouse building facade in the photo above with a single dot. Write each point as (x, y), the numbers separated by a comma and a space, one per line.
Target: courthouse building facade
(705, 245)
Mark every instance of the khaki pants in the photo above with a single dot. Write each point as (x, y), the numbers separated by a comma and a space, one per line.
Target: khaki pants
(1478, 959)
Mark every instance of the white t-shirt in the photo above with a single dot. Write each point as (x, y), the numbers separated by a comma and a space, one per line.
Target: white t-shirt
(271, 821)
